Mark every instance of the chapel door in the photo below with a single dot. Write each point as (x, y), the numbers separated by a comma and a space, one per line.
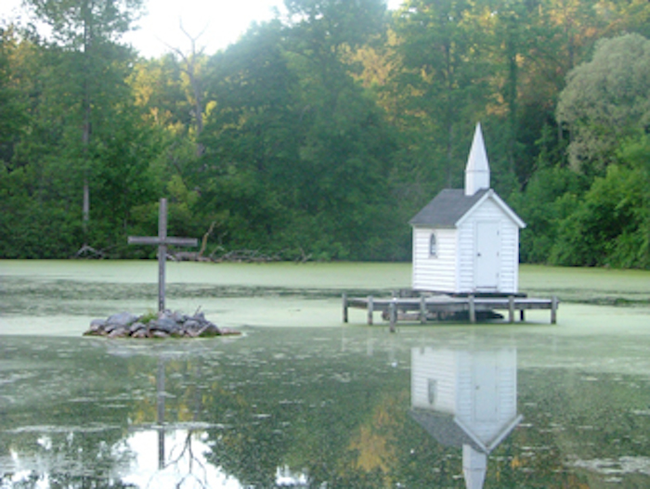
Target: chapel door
(487, 255)
(486, 387)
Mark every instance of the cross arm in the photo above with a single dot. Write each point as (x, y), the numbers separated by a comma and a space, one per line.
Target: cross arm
(182, 241)
(152, 240)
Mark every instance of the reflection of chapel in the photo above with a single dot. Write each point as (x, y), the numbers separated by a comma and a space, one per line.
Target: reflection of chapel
(466, 399)
(467, 240)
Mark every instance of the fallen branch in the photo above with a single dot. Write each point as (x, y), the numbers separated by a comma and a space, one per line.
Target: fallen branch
(88, 252)
(204, 241)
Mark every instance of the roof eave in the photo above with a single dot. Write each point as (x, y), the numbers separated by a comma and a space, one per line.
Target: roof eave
(499, 201)
(433, 226)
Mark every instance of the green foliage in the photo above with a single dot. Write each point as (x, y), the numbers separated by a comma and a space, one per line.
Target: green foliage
(297, 157)
(602, 230)
(149, 316)
(29, 227)
(12, 109)
(72, 20)
(606, 100)
(550, 197)
(321, 133)
(575, 221)
(610, 225)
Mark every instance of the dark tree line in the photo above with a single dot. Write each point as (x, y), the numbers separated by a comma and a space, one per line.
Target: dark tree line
(320, 133)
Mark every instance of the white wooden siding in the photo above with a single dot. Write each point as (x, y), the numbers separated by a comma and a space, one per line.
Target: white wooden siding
(498, 370)
(436, 273)
(458, 376)
(454, 268)
(509, 256)
(489, 211)
(439, 366)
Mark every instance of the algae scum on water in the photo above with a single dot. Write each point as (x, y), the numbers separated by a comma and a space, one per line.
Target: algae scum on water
(319, 406)
(299, 400)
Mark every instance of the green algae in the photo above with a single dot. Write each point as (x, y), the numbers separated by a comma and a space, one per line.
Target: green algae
(62, 297)
(598, 286)
(300, 398)
(311, 406)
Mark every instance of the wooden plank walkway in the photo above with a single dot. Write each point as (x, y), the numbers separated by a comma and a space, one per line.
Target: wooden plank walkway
(424, 307)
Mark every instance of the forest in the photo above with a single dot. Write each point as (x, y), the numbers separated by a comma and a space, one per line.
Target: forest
(319, 134)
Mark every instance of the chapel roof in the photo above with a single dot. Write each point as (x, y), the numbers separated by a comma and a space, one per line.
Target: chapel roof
(447, 208)
(444, 429)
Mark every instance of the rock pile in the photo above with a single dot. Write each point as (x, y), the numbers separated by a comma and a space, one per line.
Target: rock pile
(161, 325)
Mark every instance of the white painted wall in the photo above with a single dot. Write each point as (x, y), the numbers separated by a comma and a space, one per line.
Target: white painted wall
(439, 367)
(435, 272)
(454, 268)
(478, 387)
(508, 258)
(487, 401)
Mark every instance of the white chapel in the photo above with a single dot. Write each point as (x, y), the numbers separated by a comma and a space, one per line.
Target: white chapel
(466, 241)
(466, 399)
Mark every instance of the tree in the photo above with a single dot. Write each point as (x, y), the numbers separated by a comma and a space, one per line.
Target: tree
(606, 100)
(518, 106)
(440, 81)
(12, 110)
(296, 153)
(609, 225)
(31, 224)
(346, 147)
(89, 29)
(550, 198)
(191, 65)
(251, 136)
(323, 27)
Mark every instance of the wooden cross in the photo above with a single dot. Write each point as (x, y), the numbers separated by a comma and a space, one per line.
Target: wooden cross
(162, 241)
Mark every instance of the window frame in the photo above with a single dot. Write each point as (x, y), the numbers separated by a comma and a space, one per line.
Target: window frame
(433, 245)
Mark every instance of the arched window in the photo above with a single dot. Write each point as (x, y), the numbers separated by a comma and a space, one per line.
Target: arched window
(432, 391)
(433, 245)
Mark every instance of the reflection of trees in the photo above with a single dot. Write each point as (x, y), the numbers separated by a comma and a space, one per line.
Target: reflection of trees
(187, 454)
(569, 425)
(175, 414)
(47, 435)
(183, 454)
(250, 444)
(303, 415)
(67, 480)
(343, 420)
(313, 412)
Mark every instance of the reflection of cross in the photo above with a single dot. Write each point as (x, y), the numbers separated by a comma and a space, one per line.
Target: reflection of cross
(162, 241)
(161, 412)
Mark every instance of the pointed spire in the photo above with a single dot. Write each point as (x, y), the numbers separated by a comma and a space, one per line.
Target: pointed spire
(474, 467)
(477, 171)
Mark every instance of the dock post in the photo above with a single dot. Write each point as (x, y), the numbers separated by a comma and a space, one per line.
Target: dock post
(472, 309)
(511, 309)
(554, 303)
(345, 308)
(371, 308)
(392, 310)
(423, 310)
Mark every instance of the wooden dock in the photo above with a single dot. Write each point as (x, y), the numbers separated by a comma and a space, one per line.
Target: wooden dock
(438, 307)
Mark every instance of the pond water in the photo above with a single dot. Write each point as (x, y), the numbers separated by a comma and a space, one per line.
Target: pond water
(301, 400)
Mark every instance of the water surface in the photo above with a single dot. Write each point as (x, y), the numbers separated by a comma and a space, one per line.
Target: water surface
(301, 400)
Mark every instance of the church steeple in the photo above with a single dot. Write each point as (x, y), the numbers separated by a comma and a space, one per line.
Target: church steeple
(477, 171)
(474, 467)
